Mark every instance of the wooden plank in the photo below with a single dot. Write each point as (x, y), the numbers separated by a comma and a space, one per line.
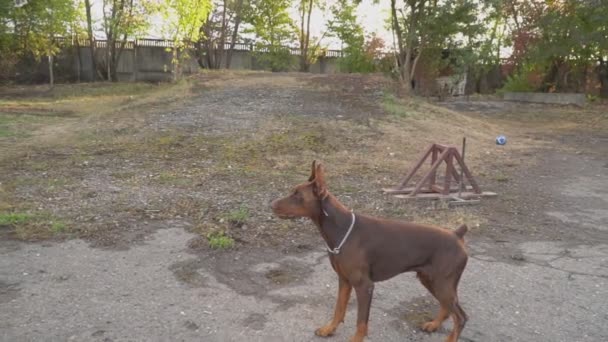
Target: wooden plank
(467, 173)
(394, 191)
(434, 173)
(438, 189)
(426, 178)
(465, 195)
(462, 203)
(447, 182)
(415, 169)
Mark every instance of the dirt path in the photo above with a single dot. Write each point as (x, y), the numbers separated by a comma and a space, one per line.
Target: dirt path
(538, 268)
(160, 291)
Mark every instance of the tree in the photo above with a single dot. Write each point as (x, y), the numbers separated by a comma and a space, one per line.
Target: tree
(574, 35)
(123, 19)
(8, 43)
(37, 26)
(183, 19)
(344, 25)
(273, 28)
(422, 25)
(223, 21)
(87, 6)
(307, 54)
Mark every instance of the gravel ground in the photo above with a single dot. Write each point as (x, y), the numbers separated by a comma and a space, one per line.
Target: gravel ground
(538, 269)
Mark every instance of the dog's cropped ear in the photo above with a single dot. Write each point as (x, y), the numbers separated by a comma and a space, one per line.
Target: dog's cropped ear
(320, 188)
(313, 171)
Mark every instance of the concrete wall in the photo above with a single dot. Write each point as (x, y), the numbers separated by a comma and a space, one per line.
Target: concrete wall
(149, 62)
(549, 98)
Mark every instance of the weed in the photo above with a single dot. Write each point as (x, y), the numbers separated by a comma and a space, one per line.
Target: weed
(58, 227)
(36, 226)
(5, 132)
(237, 216)
(502, 178)
(219, 240)
(395, 107)
(12, 219)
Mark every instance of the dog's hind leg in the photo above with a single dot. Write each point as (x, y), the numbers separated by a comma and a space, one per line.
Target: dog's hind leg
(344, 291)
(445, 291)
(444, 312)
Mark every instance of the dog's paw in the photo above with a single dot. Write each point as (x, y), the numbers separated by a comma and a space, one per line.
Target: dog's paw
(357, 338)
(325, 331)
(431, 326)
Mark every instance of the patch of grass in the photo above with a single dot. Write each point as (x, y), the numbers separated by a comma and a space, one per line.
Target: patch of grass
(394, 106)
(5, 132)
(169, 178)
(123, 175)
(66, 91)
(14, 126)
(449, 219)
(237, 216)
(12, 219)
(31, 227)
(58, 227)
(219, 240)
(502, 178)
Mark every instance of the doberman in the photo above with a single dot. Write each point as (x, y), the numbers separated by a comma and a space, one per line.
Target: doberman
(364, 250)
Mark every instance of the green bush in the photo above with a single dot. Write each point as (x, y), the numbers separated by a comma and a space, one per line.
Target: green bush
(517, 83)
(219, 240)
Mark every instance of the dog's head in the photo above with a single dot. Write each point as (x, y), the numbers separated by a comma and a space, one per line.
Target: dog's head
(305, 198)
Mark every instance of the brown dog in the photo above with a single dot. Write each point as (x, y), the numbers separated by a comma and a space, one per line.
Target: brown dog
(364, 250)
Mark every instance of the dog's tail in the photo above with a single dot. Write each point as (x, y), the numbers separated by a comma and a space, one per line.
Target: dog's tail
(460, 231)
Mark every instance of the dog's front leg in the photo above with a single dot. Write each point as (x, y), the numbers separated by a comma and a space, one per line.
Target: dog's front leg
(344, 291)
(365, 291)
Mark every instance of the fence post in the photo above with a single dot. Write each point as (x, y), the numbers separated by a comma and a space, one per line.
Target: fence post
(135, 65)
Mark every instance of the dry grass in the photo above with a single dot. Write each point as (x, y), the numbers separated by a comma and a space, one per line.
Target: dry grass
(93, 145)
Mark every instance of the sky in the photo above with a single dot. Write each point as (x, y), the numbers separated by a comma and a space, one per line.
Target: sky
(371, 17)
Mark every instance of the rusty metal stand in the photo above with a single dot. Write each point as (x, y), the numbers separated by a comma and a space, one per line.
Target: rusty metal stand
(429, 187)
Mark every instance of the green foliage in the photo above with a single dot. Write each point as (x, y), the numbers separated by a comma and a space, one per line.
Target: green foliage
(238, 216)
(517, 83)
(182, 22)
(394, 106)
(33, 28)
(350, 32)
(274, 28)
(219, 240)
(420, 25)
(276, 57)
(572, 33)
(58, 227)
(12, 219)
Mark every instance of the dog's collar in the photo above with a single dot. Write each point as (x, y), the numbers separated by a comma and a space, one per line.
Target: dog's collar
(336, 250)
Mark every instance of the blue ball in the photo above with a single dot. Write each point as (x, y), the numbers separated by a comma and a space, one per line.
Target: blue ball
(501, 140)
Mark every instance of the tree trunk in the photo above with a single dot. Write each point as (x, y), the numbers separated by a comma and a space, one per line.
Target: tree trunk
(51, 76)
(87, 4)
(201, 48)
(307, 41)
(220, 49)
(235, 33)
(403, 53)
(175, 63)
(79, 56)
(603, 76)
(302, 16)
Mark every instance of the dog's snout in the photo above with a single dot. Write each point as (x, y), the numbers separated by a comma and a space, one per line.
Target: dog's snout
(274, 205)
